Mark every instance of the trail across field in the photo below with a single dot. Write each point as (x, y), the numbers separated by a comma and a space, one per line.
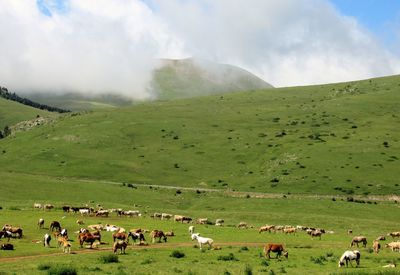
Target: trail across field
(153, 246)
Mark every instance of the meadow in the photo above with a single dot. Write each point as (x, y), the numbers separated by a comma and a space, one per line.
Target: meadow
(321, 156)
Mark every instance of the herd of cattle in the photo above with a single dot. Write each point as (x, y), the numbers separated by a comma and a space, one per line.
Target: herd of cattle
(92, 236)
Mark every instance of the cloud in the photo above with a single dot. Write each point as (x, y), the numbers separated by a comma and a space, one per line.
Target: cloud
(95, 46)
(285, 42)
(101, 46)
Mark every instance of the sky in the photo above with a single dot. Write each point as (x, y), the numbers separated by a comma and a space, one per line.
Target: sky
(102, 46)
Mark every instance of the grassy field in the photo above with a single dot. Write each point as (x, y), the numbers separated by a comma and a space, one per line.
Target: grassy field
(12, 112)
(331, 139)
(315, 156)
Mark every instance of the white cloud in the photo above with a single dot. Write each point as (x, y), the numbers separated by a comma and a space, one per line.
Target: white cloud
(98, 46)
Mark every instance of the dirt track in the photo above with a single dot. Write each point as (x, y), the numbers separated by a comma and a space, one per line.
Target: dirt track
(152, 246)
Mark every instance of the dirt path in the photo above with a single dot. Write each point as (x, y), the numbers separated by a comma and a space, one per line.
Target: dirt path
(152, 246)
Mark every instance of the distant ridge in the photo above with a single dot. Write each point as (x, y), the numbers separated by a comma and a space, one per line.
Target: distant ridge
(4, 93)
(183, 78)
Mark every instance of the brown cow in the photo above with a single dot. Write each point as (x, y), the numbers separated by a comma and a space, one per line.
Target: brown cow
(268, 228)
(277, 248)
(394, 234)
(376, 246)
(13, 230)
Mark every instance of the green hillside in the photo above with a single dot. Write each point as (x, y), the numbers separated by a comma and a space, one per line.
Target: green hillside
(188, 77)
(325, 139)
(12, 112)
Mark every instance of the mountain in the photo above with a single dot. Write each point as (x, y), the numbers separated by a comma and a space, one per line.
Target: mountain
(171, 79)
(190, 77)
(327, 139)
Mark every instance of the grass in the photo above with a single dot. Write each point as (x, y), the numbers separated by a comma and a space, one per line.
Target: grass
(328, 139)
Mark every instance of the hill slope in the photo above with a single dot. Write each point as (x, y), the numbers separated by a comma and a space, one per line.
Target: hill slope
(171, 80)
(12, 112)
(329, 139)
(188, 78)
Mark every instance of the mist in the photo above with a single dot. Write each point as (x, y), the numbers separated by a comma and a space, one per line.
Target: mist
(111, 47)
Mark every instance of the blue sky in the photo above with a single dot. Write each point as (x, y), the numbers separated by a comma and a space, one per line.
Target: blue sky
(381, 17)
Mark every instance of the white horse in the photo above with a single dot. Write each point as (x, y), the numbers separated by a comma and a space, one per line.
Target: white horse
(348, 256)
(202, 240)
(191, 229)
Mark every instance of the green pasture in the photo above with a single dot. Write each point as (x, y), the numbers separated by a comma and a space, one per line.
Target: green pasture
(327, 139)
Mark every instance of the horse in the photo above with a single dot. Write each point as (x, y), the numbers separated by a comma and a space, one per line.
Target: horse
(55, 225)
(277, 248)
(348, 256)
(202, 240)
(120, 245)
(40, 223)
(157, 234)
(120, 236)
(359, 239)
(46, 240)
(136, 236)
(87, 238)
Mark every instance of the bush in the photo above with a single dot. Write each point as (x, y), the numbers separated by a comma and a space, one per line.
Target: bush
(109, 258)
(147, 261)
(45, 266)
(264, 262)
(248, 270)
(61, 270)
(229, 257)
(244, 248)
(177, 254)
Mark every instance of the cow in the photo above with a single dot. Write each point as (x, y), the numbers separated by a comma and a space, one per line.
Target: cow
(17, 231)
(202, 221)
(5, 234)
(394, 234)
(242, 225)
(165, 216)
(136, 236)
(277, 248)
(48, 207)
(376, 246)
(268, 228)
(7, 246)
(37, 205)
(66, 209)
(102, 213)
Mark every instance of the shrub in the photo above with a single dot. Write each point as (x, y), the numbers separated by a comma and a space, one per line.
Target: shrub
(109, 258)
(244, 248)
(44, 266)
(248, 270)
(61, 270)
(147, 261)
(14, 208)
(264, 262)
(177, 254)
(229, 257)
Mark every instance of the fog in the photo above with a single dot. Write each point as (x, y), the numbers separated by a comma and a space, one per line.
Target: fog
(101, 46)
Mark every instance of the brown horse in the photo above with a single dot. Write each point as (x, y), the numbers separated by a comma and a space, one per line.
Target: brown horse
(87, 238)
(120, 245)
(277, 248)
(158, 234)
(55, 225)
(359, 239)
(120, 236)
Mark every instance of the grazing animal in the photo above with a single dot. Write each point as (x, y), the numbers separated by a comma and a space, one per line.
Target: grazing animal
(277, 248)
(202, 240)
(37, 205)
(40, 223)
(182, 219)
(242, 225)
(268, 228)
(157, 234)
(166, 216)
(66, 246)
(191, 229)
(120, 236)
(289, 230)
(135, 236)
(13, 230)
(66, 209)
(376, 246)
(98, 227)
(359, 239)
(394, 234)
(202, 221)
(46, 240)
(120, 245)
(48, 207)
(84, 211)
(389, 266)
(394, 246)
(5, 234)
(170, 234)
(112, 228)
(156, 215)
(381, 238)
(349, 231)
(80, 222)
(349, 256)
(7, 246)
(64, 233)
(87, 238)
(55, 225)
(316, 233)
(219, 222)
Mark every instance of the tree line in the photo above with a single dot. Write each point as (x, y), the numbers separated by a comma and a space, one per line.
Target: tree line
(4, 93)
